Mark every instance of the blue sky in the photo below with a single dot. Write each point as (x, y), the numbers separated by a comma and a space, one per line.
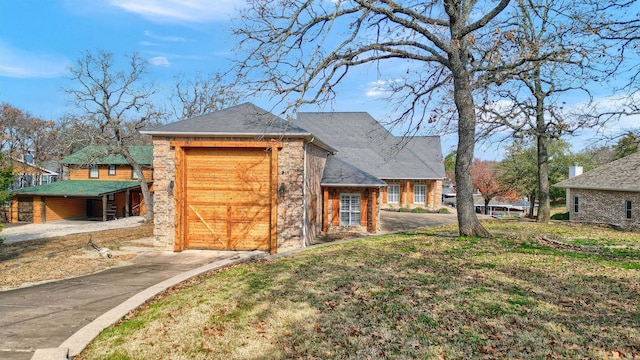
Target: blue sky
(39, 39)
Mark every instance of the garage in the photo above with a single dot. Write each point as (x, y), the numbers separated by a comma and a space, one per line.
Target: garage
(227, 194)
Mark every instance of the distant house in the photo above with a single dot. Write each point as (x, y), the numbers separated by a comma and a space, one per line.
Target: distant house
(28, 174)
(243, 178)
(97, 185)
(609, 194)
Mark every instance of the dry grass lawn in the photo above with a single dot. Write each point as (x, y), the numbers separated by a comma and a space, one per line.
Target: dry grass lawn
(426, 295)
(57, 258)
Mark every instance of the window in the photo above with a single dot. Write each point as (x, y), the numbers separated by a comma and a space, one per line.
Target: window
(111, 197)
(112, 169)
(393, 194)
(134, 174)
(575, 204)
(349, 209)
(419, 194)
(629, 210)
(93, 172)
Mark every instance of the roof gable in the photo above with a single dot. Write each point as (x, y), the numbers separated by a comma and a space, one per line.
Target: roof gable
(97, 155)
(619, 175)
(338, 172)
(365, 143)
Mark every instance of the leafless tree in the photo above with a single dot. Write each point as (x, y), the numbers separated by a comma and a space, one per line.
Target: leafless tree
(115, 102)
(566, 59)
(202, 95)
(300, 51)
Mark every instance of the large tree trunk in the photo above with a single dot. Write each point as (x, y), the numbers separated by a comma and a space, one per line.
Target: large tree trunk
(467, 220)
(544, 207)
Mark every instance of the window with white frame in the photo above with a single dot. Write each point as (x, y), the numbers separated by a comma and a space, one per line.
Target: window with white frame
(419, 194)
(93, 171)
(112, 169)
(134, 174)
(393, 194)
(349, 209)
(629, 212)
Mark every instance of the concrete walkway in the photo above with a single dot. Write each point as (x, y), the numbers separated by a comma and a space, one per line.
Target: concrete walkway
(72, 312)
(56, 320)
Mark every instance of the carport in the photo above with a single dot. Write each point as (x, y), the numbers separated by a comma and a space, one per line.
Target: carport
(75, 199)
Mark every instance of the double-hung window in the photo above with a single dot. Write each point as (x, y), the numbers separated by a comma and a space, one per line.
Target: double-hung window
(393, 194)
(112, 170)
(349, 209)
(629, 212)
(134, 174)
(93, 172)
(419, 194)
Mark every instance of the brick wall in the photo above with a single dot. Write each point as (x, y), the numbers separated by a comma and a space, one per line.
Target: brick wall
(608, 207)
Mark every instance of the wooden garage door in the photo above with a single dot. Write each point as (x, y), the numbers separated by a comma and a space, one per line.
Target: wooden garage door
(227, 198)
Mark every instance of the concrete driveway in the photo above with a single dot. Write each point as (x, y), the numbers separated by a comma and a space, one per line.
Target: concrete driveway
(44, 316)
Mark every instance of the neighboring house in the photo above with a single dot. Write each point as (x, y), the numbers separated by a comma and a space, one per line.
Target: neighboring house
(609, 194)
(97, 185)
(243, 179)
(28, 174)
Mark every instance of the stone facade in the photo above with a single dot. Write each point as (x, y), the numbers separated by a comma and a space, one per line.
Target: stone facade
(316, 159)
(606, 207)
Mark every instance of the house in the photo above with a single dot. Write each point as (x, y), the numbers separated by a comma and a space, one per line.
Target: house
(244, 179)
(96, 185)
(27, 173)
(609, 194)
(411, 169)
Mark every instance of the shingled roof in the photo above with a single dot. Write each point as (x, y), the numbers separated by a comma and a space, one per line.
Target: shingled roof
(364, 143)
(619, 175)
(80, 188)
(337, 172)
(96, 155)
(244, 120)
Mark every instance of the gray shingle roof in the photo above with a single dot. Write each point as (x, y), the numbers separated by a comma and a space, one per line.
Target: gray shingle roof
(337, 172)
(363, 142)
(619, 175)
(243, 119)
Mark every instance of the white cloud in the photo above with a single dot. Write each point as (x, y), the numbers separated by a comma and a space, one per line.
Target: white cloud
(166, 38)
(159, 61)
(381, 87)
(18, 63)
(181, 11)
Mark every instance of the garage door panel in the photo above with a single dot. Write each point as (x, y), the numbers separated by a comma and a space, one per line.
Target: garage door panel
(228, 198)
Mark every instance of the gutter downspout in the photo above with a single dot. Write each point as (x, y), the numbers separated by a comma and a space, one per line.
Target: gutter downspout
(304, 194)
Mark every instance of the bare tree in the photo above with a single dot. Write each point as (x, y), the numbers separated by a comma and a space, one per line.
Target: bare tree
(22, 133)
(117, 103)
(202, 95)
(565, 60)
(300, 52)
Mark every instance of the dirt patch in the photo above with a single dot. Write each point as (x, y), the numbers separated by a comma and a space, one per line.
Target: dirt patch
(35, 261)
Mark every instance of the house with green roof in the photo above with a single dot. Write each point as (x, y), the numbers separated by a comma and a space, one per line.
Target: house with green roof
(96, 185)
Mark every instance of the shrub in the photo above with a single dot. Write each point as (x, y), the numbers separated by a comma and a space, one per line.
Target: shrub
(443, 211)
(560, 216)
(403, 209)
(419, 210)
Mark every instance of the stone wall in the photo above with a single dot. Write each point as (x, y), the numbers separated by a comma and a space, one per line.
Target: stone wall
(606, 207)
(316, 160)
(164, 168)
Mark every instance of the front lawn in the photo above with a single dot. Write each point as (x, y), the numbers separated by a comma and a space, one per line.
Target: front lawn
(427, 295)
